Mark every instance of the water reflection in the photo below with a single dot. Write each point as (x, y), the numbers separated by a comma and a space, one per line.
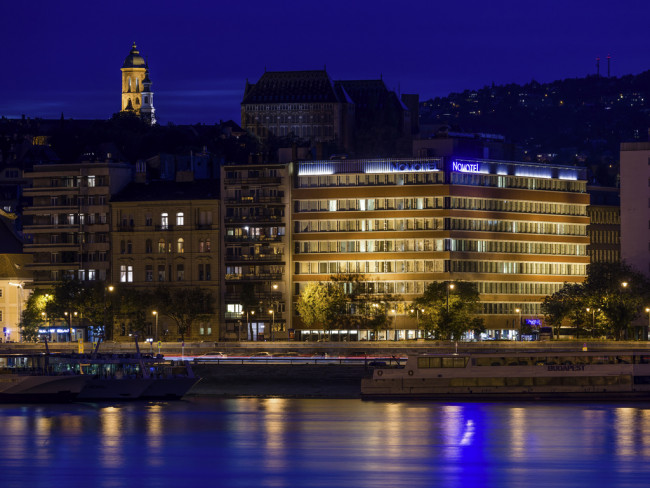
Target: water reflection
(322, 443)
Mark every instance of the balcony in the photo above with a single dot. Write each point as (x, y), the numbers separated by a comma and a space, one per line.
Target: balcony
(250, 201)
(253, 238)
(243, 219)
(259, 180)
(164, 228)
(246, 258)
(254, 277)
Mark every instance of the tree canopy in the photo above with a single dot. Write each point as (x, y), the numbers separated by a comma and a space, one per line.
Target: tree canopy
(606, 303)
(320, 304)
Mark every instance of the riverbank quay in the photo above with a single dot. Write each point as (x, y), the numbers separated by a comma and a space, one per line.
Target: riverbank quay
(332, 349)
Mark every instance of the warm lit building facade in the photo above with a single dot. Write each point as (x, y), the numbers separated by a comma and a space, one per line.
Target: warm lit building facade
(69, 218)
(166, 233)
(137, 97)
(255, 250)
(518, 230)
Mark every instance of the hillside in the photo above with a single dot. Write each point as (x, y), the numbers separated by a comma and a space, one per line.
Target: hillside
(580, 120)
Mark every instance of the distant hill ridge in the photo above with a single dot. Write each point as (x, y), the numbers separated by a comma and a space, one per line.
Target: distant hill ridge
(580, 120)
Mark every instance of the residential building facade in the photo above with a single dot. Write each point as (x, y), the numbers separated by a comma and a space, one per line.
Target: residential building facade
(255, 251)
(167, 233)
(604, 225)
(68, 218)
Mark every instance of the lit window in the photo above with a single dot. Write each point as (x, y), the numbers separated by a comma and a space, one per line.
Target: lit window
(180, 246)
(180, 218)
(161, 245)
(126, 273)
(164, 221)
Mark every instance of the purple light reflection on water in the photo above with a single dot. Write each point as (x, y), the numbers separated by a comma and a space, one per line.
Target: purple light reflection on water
(324, 443)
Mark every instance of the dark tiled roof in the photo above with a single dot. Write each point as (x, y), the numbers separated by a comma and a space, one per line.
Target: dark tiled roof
(157, 191)
(292, 87)
(10, 243)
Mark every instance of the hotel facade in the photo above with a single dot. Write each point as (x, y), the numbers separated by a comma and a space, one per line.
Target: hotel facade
(517, 230)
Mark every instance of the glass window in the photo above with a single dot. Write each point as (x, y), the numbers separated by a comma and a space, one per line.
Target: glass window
(180, 272)
(180, 245)
(164, 221)
(180, 218)
(161, 246)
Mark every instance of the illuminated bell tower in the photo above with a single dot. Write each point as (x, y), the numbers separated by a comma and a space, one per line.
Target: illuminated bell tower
(147, 112)
(134, 71)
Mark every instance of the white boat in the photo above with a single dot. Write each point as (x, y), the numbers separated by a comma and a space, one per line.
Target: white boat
(520, 375)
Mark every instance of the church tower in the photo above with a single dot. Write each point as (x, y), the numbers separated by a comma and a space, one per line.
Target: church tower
(134, 74)
(147, 112)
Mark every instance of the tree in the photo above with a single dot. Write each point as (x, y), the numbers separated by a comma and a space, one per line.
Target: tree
(612, 292)
(184, 306)
(33, 316)
(449, 312)
(320, 304)
(131, 307)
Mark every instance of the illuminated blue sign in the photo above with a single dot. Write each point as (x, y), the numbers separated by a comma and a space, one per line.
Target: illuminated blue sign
(534, 322)
(407, 167)
(465, 167)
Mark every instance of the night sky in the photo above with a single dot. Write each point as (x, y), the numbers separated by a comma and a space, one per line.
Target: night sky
(65, 57)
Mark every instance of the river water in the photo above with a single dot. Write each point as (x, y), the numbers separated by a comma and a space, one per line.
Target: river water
(277, 442)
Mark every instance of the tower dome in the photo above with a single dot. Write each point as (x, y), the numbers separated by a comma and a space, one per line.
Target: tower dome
(134, 60)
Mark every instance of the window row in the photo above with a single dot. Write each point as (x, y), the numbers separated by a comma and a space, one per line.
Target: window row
(517, 288)
(369, 245)
(506, 267)
(165, 272)
(368, 225)
(369, 204)
(605, 236)
(424, 178)
(482, 225)
(523, 206)
(78, 219)
(401, 287)
(518, 247)
(525, 182)
(500, 308)
(612, 217)
(388, 266)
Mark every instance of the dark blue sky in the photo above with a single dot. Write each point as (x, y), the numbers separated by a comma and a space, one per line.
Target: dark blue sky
(66, 56)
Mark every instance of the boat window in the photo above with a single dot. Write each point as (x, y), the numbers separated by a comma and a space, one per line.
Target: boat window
(436, 362)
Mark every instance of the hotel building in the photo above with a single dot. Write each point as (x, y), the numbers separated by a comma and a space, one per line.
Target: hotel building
(518, 230)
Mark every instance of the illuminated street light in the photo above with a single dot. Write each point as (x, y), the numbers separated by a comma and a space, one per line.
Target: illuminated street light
(155, 314)
(450, 286)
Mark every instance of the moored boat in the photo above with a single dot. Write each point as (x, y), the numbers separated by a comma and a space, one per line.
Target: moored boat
(521, 375)
(26, 378)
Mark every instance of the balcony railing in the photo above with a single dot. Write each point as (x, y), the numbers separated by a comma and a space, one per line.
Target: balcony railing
(164, 228)
(256, 257)
(253, 201)
(260, 180)
(254, 277)
(253, 238)
(254, 218)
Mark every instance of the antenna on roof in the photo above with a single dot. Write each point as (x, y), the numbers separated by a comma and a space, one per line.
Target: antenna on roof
(608, 60)
(598, 66)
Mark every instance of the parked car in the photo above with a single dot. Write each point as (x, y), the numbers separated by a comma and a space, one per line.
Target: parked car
(261, 354)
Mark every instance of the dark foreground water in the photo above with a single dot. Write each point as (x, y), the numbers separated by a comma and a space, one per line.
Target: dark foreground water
(324, 443)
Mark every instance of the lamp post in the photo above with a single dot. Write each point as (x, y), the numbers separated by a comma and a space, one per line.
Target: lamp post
(518, 311)
(645, 335)
(450, 286)
(272, 312)
(593, 318)
(248, 322)
(155, 314)
(109, 289)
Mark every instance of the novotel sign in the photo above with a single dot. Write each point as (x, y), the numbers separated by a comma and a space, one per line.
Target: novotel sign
(465, 167)
(405, 167)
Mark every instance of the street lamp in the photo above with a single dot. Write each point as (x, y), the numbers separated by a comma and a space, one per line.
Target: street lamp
(450, 286)
(647, 309)
(272, 312)
(248, 322)
(518, 311)
(155, 314)
(394, 312)
(109, 289)
(593, 318)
